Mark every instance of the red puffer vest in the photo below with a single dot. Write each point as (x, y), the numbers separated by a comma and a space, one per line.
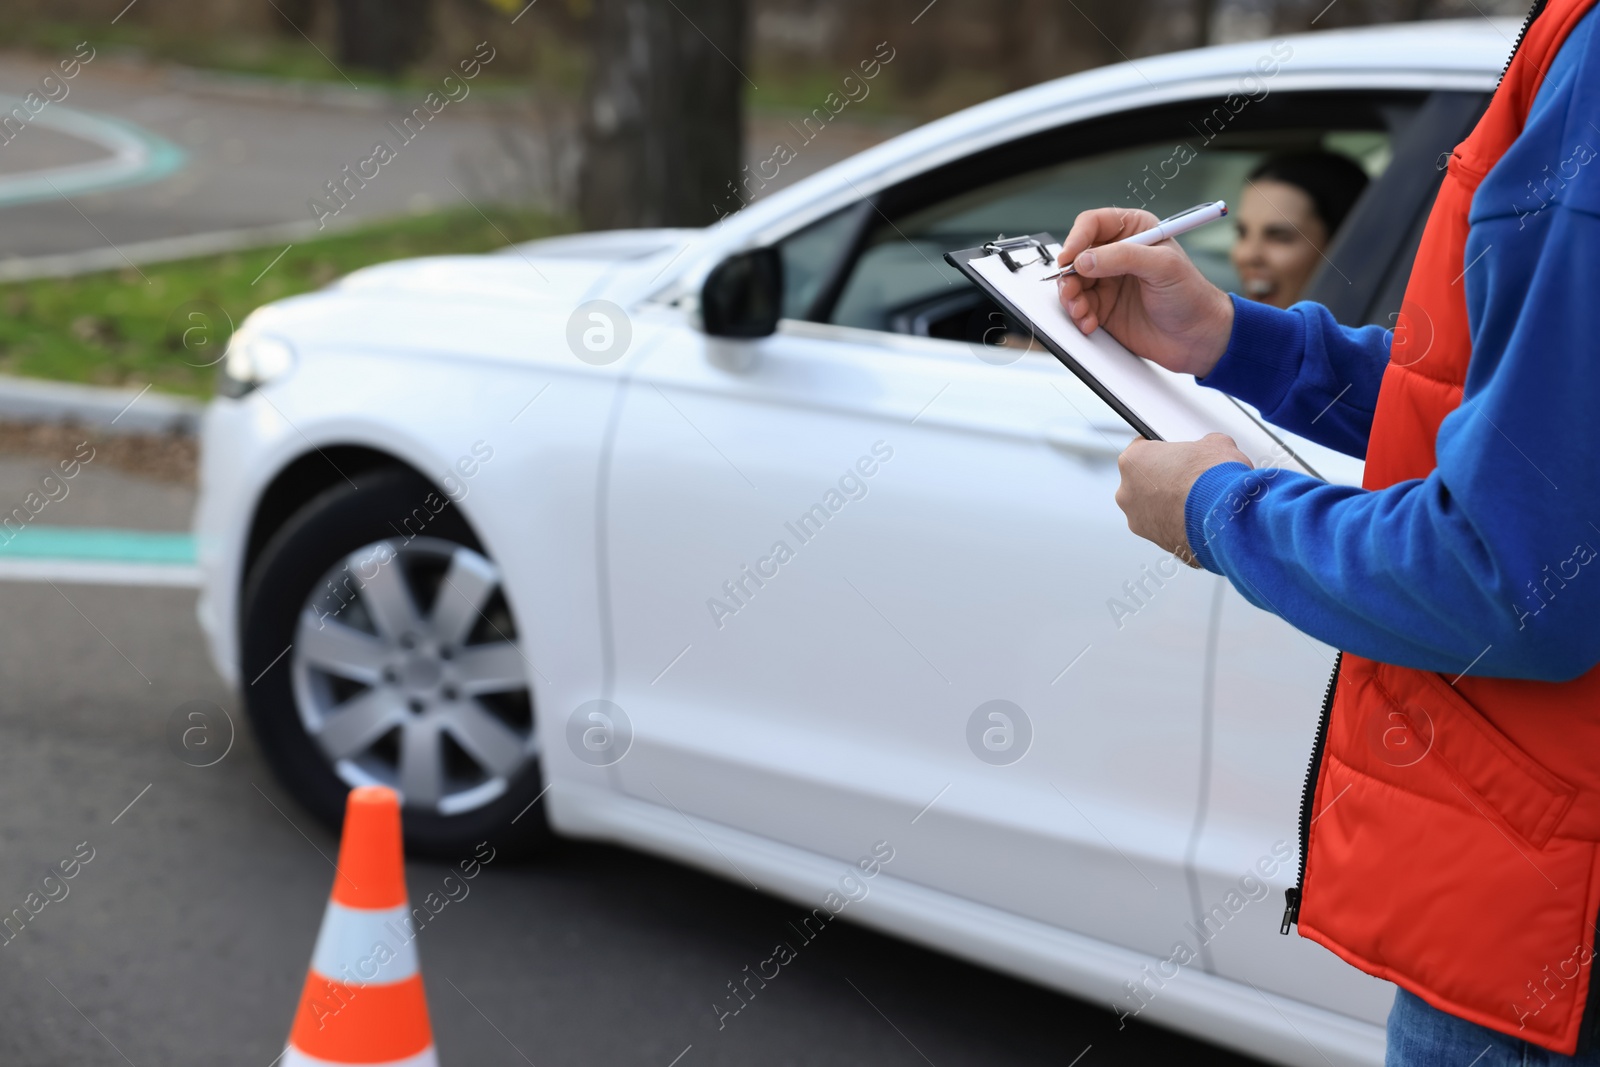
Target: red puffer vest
(1450, 828)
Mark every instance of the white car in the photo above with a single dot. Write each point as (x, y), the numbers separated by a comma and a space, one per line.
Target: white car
(748, 546)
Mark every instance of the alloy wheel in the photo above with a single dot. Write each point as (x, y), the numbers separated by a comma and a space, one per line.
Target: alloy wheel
(406, 672)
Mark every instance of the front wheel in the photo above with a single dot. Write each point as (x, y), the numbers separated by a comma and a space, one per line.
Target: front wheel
(379, 648)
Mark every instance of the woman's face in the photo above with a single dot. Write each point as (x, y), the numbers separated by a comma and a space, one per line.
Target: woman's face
(1279, 241)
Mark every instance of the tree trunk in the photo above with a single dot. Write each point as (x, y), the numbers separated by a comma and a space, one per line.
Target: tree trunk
(1205, 13)
(298, 16)
(383, 35)
(1098, 32)
(662, 132)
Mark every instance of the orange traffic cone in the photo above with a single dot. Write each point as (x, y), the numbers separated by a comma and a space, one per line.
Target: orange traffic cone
(363, 1001)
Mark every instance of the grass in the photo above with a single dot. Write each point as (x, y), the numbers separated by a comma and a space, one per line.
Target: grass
(785, 87)
(789, 90)
(128, 326)
(287, 57)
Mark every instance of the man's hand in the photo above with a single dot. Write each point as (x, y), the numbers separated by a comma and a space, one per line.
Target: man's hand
(1152, 299)
(1156, 479)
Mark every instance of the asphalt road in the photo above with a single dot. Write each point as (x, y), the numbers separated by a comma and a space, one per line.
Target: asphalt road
(246, 159)
(185, 939)
(244, 155)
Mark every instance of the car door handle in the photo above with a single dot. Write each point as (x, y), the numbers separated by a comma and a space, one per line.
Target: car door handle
(1088, 440)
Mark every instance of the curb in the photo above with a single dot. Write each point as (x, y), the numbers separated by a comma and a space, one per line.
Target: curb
(112, 411)
(266, 89)
(162, 250)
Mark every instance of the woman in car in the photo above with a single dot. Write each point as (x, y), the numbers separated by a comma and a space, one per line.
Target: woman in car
(1289, 210)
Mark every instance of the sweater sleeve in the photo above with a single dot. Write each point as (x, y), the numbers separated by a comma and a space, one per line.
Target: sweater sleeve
(1304, 372)
(1482, 567)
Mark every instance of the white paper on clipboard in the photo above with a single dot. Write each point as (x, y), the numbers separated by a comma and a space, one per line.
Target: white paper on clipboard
(1172, 405)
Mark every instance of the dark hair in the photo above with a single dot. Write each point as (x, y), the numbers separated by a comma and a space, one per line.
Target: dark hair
(1331, 181)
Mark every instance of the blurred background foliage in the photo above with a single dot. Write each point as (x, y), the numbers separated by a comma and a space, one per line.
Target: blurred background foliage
(645, 107)
(957, 52)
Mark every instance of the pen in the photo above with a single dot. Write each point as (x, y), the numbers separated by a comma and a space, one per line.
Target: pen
(1171, 226)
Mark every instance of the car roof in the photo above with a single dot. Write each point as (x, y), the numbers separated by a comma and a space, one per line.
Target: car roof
(1464, 54)
(1473, 46)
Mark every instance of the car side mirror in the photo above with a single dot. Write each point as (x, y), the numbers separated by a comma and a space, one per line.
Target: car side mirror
(743, 296)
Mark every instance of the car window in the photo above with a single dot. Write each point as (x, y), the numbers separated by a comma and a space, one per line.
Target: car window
(900, 271)
(810, 257)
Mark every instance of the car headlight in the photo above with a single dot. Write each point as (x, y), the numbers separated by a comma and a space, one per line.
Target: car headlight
(253, 359)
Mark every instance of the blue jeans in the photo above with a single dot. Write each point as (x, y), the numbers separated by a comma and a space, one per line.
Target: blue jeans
(1421, 1035)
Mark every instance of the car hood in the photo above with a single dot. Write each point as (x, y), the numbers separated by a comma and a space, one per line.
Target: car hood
(559, 269)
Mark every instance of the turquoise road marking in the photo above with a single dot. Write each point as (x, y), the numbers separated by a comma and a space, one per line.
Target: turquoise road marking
(134, 156)
(100, 544)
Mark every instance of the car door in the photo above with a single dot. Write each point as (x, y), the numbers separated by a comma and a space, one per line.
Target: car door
(859, 586)
(868, 581)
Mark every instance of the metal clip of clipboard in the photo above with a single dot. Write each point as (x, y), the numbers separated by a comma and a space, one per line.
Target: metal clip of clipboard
(1005, 246)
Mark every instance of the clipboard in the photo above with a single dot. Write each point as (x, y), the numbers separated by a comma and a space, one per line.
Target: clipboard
(1159, 404)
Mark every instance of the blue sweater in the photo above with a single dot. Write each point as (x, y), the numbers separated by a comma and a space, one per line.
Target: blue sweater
(1491, 564)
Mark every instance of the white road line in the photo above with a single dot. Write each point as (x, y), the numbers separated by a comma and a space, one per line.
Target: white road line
(160, 250)
(95, 572)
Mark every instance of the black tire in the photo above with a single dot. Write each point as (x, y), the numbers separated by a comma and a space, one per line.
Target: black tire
(291, 566)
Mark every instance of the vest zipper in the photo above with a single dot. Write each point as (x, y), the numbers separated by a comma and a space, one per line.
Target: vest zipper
(1291, 907)
(1291, 897)
(1533, 13)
